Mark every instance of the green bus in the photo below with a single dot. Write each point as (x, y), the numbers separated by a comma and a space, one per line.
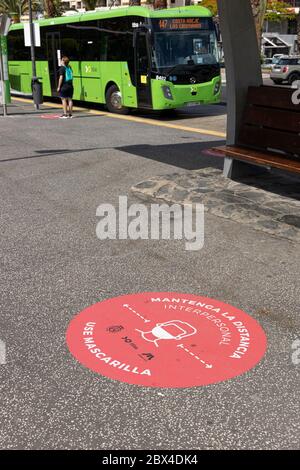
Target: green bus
(130, 57)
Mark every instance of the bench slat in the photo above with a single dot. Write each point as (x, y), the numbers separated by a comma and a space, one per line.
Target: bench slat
(285, 120)
(263, 138)
(272, 97)
(259, 158)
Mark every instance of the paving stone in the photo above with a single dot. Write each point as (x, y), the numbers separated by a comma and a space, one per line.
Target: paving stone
(253, 195)
(246, 205)
(231, 198)
(266, 211)
(147, 184)
(180, 195)
(264, 203)
(162, 190)
(291, 220)
(283, 206)
(202, 190)
(229, 209)
(208, 202)
(291, 233)
(271, 224)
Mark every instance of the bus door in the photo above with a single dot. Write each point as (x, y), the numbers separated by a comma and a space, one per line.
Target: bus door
(53, 55)
(142, 69)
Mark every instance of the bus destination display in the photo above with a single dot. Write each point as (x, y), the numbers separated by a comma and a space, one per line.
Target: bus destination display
(181, 23)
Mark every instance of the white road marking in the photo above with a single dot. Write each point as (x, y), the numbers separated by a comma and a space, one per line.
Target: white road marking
(138, 314)
(207, 366)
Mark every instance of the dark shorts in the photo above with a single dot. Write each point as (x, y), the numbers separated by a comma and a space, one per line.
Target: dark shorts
(66, 91)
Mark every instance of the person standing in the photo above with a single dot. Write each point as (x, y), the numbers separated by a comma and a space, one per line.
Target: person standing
(65, 87)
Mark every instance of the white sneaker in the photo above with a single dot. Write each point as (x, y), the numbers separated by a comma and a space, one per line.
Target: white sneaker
(63, 116)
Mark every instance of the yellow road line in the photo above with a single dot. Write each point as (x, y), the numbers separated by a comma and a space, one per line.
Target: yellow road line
(160, 124)
(140, 120)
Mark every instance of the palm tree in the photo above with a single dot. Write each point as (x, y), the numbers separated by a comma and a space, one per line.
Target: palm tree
(90, 4)
(158, 4)
(14, 8)
(17, 8)
(53, 8)
(49, 8)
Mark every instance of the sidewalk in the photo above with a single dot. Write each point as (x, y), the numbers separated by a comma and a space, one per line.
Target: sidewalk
(270, 203)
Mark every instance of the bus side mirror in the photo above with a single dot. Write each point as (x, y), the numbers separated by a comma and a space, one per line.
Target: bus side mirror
(218, 32)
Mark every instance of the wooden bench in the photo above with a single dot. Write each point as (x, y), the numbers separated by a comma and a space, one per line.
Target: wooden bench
(270, 130)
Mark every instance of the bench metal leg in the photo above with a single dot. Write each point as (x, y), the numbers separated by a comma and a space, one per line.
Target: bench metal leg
(237, 169)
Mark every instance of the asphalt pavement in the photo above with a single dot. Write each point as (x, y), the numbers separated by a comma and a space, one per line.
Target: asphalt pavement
(53, 176)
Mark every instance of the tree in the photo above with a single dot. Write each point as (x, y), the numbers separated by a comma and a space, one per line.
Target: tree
(278, 11)
(49, 8)
(211, 5)
(17, 8)
(90, 4)
(53, 8)
(159, 4)
(14, 8)
(259, 8)
(272, 10)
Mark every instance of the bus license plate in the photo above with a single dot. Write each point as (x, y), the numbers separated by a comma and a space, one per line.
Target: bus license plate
(194, 103)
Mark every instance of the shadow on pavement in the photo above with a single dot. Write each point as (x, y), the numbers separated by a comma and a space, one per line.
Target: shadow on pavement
(182, 113)
(277, 182)
(50, 153)
(192, 156)
(185, 155)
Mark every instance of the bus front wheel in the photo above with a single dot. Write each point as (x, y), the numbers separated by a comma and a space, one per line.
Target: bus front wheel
(113, 100)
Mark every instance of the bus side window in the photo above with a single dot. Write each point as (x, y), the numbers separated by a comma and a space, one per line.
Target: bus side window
(91, 43)
(115, 31)
(41, 52)
(103, 46)
(16, 49)
(69, 41)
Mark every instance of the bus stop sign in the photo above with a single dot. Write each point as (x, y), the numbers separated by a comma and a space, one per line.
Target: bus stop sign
(4, 77)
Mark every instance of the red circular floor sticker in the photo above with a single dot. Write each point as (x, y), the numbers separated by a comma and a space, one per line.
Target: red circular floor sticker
(166, 339)
(50, 116)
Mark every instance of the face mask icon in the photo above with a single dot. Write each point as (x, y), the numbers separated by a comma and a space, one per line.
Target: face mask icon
(173, 329)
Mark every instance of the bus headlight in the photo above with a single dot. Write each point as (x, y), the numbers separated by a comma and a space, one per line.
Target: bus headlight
(217, 87)
(167, 92)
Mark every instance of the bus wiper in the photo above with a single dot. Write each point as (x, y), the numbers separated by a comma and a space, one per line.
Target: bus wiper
(172, 70)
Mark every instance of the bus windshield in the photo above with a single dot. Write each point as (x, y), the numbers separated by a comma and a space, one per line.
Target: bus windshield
(195, 46)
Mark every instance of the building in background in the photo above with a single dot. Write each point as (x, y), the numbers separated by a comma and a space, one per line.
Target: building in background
(79, 4)
(280, 37)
